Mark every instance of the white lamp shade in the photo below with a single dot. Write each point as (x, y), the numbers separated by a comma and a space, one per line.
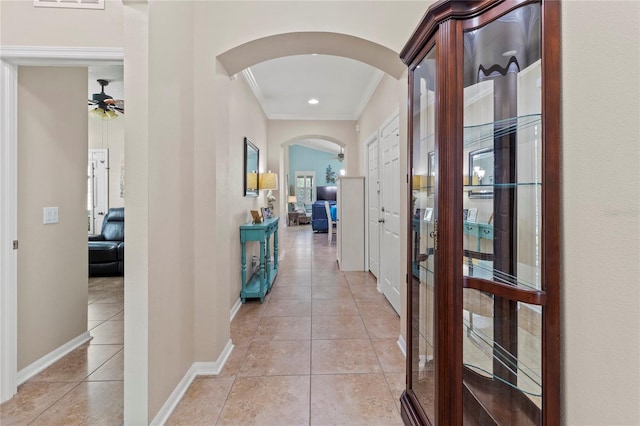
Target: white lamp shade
(268, 181)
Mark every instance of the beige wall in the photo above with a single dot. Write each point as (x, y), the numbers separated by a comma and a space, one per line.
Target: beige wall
(52, 171)
(600, 218)
(246, 120)
(283, 133)
(110, 134)
(25, 25)
(601, 212)
(136, 289)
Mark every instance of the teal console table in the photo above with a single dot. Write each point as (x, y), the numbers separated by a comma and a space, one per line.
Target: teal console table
(259, 283)
(480, 231)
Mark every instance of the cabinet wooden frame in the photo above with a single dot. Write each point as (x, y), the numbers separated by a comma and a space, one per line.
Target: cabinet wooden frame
(443, 27)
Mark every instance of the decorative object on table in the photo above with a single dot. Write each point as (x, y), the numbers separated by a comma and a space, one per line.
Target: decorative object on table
(269, 182)
(251, 161)
(255, 214)
(490, 219)
(292, 200)
(330, 175)
(465, 214)
(472, 215)
(266, 212)
(428, 214)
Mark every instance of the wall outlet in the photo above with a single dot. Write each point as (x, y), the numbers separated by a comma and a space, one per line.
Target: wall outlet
(50, 215)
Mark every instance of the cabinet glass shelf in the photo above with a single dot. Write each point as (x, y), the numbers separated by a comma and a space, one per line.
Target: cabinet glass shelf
(480, 353)
(504, 185)
(478, 134)
(484, 269)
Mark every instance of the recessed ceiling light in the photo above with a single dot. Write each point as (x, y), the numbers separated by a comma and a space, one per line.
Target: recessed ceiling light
(313, 101)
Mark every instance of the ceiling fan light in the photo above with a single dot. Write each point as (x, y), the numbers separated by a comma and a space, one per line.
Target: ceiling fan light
(109, 115)
(97, 113)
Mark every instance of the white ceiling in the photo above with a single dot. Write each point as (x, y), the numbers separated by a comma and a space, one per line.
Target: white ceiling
(283, 87)
(342, 86)
(114, 74)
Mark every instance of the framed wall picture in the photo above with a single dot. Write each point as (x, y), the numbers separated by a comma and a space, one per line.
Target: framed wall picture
(472, 215)
(428, 214)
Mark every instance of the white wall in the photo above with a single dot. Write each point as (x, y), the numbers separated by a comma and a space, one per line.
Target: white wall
(52, 172)
(601, 212)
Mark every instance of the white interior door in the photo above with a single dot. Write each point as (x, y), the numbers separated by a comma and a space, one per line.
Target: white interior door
(390, 208)
(373, 200)
(97, 188)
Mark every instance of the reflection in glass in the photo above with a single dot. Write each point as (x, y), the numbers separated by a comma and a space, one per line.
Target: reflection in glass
(424, 220)
(502, 158)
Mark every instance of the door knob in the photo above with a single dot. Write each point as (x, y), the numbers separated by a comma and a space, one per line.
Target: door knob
(380, 220)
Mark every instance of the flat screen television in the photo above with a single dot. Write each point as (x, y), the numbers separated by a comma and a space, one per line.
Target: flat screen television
(326, 193)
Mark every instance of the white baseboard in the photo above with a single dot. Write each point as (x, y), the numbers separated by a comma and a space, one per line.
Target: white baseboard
(402, 345)
(197, 369)
(44, 362)
(235, 308)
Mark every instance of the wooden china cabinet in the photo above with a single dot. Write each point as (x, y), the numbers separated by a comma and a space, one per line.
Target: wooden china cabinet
(483, 331)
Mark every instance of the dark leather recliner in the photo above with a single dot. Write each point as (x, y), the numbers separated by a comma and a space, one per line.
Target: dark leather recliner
(106, 250)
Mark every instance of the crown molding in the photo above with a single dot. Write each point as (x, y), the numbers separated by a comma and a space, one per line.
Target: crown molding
(334, 117)
(55, 55)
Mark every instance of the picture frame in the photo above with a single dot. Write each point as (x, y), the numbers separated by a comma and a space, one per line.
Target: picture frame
(418, 213)
(255, 214)
(251, 163)
(428, 214)
(481, 179)
(465, 214)
(266, 212)
(472, 215)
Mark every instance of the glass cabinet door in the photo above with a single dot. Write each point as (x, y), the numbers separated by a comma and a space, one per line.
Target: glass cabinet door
(422, 280)
(502, 220)
(483, 270)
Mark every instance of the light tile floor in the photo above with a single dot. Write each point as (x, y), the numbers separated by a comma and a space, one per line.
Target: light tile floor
(86, 386)
(320, 350)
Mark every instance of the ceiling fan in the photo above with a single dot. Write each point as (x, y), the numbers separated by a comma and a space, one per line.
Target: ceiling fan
(106, 107)
(340, 156)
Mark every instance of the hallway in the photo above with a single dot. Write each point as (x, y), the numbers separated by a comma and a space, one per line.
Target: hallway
(322, 349)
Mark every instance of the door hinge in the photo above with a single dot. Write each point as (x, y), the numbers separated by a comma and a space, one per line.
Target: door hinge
(15, 244)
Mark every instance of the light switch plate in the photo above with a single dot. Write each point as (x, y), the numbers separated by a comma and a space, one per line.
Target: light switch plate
(50, 215)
